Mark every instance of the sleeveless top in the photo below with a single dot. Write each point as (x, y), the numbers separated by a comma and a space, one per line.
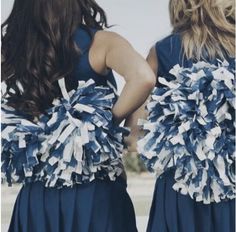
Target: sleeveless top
(76, 140)
(169, 53)
(190, 127)
(83, 70)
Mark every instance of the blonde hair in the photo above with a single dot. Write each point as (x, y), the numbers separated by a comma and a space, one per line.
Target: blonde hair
(207, 27)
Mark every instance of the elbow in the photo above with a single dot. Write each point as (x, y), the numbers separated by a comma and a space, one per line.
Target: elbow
(147, 79)
(150, 81)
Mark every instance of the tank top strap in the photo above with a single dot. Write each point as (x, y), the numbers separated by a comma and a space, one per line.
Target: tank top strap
(83, 69)
(170, 52)
(84, 37)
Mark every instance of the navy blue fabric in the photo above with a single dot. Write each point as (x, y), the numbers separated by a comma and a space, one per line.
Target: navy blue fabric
(169, 53)
(99, 206)
(171, 211)
(174, 212)
(83, 70)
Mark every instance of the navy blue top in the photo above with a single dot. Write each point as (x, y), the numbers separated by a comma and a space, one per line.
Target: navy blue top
(82, 69)
(169, 53)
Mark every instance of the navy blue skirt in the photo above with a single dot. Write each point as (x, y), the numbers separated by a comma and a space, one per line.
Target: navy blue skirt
(99, 206)
(174, 212)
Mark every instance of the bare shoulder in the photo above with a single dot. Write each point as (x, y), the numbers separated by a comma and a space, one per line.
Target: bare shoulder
(108, 39)
(152, 59)
(106, 48)
(117, 53)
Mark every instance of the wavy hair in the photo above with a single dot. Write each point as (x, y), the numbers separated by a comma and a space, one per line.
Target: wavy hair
(207, 27)
(38, 48)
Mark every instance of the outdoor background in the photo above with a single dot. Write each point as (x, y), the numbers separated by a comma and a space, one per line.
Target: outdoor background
(142, 23)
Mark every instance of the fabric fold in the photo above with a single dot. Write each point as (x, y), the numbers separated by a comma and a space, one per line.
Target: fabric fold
(98, 206)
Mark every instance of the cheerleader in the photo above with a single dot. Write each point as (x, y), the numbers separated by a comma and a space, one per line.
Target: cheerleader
(189, 138)
(61, 137)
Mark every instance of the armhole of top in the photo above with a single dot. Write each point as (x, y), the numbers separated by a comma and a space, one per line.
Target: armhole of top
(158, 60)
(152, 59)
(89, 59)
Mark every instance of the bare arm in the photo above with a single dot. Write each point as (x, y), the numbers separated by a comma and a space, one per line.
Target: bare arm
(152, 60)
(141, 113)
(116, 53)
(132, 123)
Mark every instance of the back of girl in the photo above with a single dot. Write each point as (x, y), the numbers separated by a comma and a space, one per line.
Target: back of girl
(61, 137)
(190, 133)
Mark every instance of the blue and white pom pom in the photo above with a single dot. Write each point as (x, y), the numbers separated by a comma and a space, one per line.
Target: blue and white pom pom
(77, 140)
(191, 128)
(21, 144)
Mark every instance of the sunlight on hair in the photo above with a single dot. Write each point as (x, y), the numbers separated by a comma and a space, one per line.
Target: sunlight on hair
(207, 27)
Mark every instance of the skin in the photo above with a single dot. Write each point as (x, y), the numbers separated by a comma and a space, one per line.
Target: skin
(109, 50)
(141, 113)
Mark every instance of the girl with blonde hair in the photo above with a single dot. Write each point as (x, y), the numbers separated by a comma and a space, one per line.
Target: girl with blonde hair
(189, 140)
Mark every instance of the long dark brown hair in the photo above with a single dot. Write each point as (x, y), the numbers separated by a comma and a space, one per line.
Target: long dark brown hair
(38, 48)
